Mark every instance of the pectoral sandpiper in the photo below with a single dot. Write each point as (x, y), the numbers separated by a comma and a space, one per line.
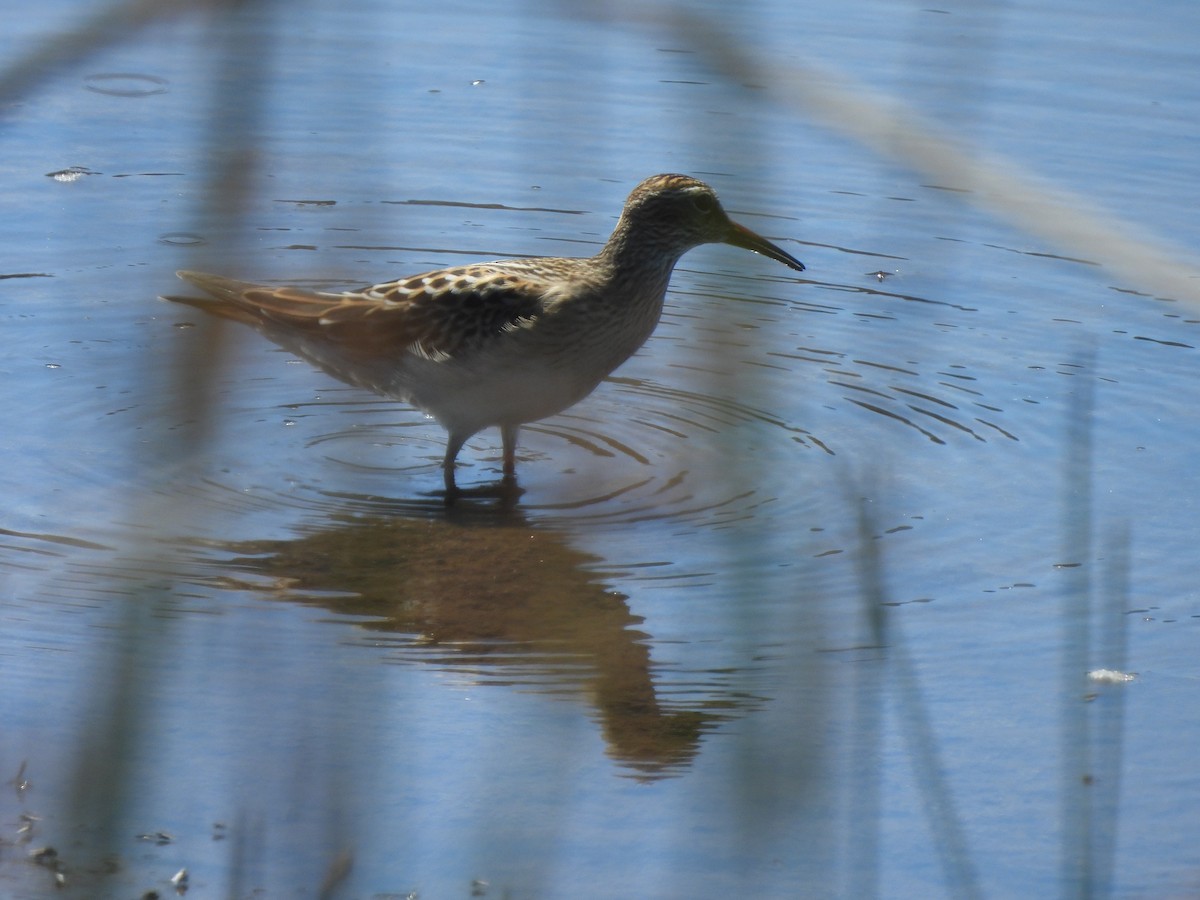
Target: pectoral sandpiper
(497, 343)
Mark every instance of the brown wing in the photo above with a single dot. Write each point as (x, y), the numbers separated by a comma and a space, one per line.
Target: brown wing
(439, 314)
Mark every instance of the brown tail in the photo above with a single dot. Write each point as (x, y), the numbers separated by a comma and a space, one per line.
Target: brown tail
(227, 300)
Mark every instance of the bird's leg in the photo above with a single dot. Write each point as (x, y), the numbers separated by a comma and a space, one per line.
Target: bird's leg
(454, 443)
(508, 437)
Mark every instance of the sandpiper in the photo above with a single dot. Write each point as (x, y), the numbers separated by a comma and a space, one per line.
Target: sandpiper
(497, 343)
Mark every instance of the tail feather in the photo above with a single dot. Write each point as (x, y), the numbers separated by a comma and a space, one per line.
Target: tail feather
(221, 308)
(219, 286)
(227, 297)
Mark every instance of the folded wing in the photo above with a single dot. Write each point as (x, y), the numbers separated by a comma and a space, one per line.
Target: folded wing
(437, 315)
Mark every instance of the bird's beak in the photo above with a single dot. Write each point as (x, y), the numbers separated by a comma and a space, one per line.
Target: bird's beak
(741, 236)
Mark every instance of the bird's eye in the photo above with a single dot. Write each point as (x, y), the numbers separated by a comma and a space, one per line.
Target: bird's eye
(704, 203)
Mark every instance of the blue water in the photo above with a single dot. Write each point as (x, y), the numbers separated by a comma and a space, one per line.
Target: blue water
(653, 677)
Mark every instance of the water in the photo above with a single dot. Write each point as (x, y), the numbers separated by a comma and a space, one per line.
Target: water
(653, 676)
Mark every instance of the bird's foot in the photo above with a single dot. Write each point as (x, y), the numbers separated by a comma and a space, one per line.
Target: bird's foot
(505, 490)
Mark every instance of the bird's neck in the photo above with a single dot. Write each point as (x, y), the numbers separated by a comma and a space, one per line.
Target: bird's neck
(639, 257)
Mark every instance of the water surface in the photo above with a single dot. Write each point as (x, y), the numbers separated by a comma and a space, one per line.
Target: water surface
(652, 676)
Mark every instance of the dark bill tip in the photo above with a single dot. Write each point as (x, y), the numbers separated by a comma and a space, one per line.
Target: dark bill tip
(741, 236)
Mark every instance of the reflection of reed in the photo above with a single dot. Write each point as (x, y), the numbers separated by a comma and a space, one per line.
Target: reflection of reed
(106, 776)
(895, 669)
(497, 595)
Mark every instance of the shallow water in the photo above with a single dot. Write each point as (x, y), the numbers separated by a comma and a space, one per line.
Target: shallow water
(653, 675)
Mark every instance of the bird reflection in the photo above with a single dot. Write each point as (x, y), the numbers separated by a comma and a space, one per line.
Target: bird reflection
(500, 594)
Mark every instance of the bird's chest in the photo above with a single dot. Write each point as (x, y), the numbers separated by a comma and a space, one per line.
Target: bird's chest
(602, 329)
